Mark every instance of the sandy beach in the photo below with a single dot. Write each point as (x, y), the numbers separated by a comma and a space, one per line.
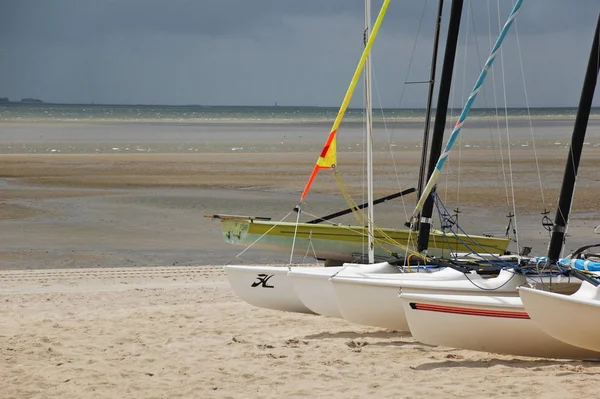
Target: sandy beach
(170, 332)
(111, 281)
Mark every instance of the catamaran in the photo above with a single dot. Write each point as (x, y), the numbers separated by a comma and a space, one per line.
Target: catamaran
(579, 321)
(321, 290)
(370, 298)
(513, 313)
(578, 324)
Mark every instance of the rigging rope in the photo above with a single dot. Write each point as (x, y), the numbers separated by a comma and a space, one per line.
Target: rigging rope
(265, 233)
(389, 135)
(295, 233)
(363, 220)
(537, 164)
(500, 144)
(461, 120)
(508, 150)
(389, 148)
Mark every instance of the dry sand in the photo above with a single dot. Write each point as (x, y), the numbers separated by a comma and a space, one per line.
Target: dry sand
(181, 332)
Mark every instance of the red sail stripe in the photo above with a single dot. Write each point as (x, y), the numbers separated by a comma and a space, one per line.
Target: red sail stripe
(328, 143)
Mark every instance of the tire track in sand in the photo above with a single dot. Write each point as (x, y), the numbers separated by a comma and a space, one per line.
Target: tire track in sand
(118, 274)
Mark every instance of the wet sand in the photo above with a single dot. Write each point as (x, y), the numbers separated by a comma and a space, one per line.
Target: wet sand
(110, 210)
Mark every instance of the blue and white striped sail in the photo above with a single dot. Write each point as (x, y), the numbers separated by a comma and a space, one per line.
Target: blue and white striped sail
(465, 112)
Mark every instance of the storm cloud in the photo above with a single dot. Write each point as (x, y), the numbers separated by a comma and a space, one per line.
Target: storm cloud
(237, 52)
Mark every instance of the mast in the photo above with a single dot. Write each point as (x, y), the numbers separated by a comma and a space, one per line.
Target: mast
(440, 117)
(577, 139)
(436, 39)
(369, 137)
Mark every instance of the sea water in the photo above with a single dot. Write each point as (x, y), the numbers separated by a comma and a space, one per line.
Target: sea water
(95, 128)
(41, 112)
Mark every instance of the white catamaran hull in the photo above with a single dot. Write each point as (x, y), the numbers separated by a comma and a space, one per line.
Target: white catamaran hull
(314, 288)
(480, 318)
(578, 321)
(372, 300)
(303, 290)
(265, 287)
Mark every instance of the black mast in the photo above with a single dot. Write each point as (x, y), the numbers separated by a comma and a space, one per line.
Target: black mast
(581, 121)
(436, 39)
(440, 117)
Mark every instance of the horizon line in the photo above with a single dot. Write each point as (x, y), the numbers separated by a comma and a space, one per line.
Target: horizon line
(42, 103)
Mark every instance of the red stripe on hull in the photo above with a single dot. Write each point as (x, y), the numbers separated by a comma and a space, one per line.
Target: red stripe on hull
(469, 311)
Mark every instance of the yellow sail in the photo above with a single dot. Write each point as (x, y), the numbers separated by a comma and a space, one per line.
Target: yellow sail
(328, 157)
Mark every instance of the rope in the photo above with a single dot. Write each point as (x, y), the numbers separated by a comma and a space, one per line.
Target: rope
(295, 232)
(310, 246)
(400, 101)
(438, 203)
(389, 148)
(491, 289)
(363, 220)
(509, 153)
(497, 118)
(265, 233)
(465, 112)
(537, 165)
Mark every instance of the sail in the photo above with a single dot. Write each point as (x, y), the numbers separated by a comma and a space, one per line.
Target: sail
(328, 157)
(465, 112)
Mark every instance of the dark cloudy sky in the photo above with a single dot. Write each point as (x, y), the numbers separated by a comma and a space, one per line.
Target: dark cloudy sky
(256, 52)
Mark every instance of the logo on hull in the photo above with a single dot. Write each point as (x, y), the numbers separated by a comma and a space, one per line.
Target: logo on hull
(262, 279)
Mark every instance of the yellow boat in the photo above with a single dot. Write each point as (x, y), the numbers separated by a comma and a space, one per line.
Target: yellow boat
(346, 243)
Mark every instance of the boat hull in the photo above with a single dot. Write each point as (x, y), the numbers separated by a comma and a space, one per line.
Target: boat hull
(447, 314)
(347, 243)
(265, 287)
(372, 300)
(314, 287)
(573, 319)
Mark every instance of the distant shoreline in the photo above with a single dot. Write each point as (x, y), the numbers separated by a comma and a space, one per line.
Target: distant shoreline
(404, 123)
(22, 113)
(41, 103)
